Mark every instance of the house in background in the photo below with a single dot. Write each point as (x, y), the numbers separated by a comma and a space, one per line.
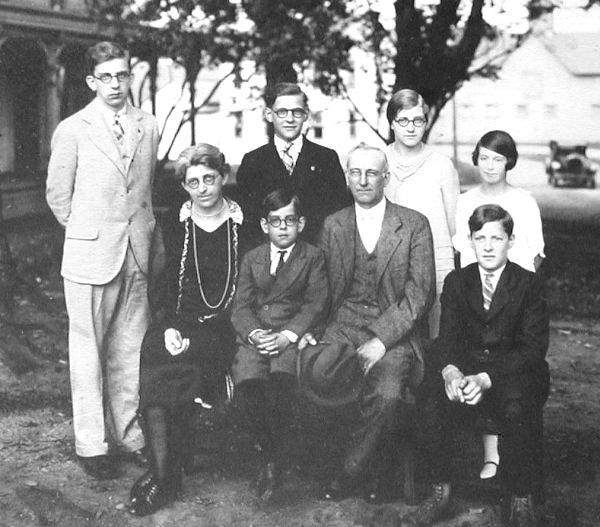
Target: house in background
(42, 48)
(548, 89)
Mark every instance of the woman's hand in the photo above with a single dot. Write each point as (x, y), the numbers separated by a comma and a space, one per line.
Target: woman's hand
(174, 342)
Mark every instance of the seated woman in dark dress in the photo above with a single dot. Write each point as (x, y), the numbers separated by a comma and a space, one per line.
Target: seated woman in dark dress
(189, 347)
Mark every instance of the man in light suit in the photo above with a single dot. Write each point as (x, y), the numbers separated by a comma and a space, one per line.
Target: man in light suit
(291, 161)
(381, 282)
(99, 185)
(281, 294)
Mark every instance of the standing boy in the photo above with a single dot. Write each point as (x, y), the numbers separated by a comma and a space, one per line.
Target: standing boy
(99, 188)
(488, 361)
(281, 294)
(291, 161)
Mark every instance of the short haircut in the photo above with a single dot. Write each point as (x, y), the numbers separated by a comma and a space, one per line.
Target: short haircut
(280, 198)
(200, 154)
(500, 142)
(368, 148)
(103, 52)
(404, 100)
(488, 213)
(280, 89)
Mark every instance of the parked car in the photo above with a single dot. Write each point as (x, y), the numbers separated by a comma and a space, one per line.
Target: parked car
(569, 165)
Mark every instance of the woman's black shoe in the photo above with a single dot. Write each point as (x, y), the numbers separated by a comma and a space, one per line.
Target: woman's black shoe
(149, 495)
(140, 484)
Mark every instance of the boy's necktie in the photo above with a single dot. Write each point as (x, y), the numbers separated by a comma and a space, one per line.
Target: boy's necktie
(280, 262)
(117, 129)
(488, 290)
(287, 158)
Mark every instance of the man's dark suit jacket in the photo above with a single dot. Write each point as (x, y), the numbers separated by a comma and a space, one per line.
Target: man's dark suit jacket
(318, 179)
(511, 339)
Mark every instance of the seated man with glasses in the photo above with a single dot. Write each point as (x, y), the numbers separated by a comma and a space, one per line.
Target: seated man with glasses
(291, 161)
(281, 294)
(381, 283)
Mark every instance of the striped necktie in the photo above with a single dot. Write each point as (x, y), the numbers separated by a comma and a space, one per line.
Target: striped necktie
(487, 290)
(287, 158)
(117, 129)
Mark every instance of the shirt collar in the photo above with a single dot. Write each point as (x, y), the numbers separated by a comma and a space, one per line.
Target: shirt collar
(496, 274)
(374, 213)
(281, 144)
(275, 250)
(235, 212)
(109, 115)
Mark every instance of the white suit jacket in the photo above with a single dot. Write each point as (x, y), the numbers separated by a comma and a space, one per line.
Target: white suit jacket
(103, 200)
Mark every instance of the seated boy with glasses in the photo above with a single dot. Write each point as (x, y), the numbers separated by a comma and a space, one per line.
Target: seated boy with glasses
(281, 294)
(291, 161)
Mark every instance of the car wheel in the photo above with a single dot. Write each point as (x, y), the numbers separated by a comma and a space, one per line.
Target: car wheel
(553, 181)
(591, 183)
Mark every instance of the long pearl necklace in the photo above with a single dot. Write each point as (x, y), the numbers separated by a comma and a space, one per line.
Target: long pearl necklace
(204, 299)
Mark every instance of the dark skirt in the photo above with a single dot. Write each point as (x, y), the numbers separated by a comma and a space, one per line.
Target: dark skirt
(168, 381)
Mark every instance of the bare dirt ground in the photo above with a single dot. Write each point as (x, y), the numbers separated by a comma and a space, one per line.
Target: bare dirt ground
(41, 483)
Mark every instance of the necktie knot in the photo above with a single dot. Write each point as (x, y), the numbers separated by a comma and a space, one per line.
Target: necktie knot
(287, 158)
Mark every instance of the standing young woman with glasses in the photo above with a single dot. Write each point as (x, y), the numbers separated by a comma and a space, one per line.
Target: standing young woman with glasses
(188, 349)
(423, 180)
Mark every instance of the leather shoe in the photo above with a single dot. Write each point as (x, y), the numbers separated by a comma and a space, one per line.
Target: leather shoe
(431, 510)
(99, 467)
(266, 483)
(148, 495)
(521, 512)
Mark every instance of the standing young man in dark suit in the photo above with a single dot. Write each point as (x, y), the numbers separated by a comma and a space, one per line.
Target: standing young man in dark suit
(281, 294)
(100, 189)
(291, 161)
(488, 361)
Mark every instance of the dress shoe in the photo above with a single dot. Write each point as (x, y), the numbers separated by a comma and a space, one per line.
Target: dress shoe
(148, 495)
(267, 481)
(489, 470)
(99, 467)
(431, 510)
(521, 512)
(340, 488)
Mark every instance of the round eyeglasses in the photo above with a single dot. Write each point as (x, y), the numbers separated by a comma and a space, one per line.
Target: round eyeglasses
(207, 179)
(276, 221)
(418, 122)
(298, 113)
(106, 78)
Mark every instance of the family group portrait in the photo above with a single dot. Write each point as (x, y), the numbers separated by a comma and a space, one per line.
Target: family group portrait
(299, 263)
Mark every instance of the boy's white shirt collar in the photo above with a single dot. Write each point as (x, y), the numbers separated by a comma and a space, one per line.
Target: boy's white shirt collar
(275, 253)
(108, 115)
(495, 274)
(294, 151)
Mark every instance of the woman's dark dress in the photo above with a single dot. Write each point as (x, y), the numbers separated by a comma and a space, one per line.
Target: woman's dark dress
(167, 380)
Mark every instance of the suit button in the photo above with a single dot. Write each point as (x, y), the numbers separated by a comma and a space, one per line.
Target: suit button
(486, 351)
(266, 307)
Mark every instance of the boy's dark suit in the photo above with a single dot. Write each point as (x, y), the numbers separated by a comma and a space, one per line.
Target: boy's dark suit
(294, 300)
(264, 386)
(317, 179)
(509, 343)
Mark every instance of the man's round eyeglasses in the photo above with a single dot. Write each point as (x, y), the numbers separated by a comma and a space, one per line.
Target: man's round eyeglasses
(357, 173)
(276, 221)
(417, 121)
(298, 113)
(207, 179)
(106, 78)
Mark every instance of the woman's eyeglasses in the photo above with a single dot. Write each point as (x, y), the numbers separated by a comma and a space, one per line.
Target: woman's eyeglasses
(418, 122)
(207, 179)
